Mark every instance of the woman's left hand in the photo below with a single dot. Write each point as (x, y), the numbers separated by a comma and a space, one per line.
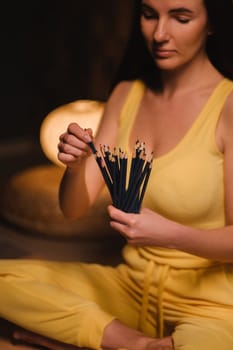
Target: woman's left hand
(144, 229)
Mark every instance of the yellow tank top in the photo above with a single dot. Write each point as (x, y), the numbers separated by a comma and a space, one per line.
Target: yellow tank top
(186, 184)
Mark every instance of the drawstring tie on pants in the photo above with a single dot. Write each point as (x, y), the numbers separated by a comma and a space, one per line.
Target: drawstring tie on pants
(149, 273)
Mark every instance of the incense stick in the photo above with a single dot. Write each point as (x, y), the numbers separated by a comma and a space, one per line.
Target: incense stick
(126, 195)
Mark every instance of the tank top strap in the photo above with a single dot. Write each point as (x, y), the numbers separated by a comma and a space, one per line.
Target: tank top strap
(211, 111)
(204, 130)
(218, 98)
(129, 111)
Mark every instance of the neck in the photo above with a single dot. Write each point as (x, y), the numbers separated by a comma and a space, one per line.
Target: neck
(191, 76)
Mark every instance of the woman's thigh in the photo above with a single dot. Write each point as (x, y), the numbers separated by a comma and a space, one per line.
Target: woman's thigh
(39, 285)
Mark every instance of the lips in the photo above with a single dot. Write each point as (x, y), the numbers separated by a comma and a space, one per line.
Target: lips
(158, 53)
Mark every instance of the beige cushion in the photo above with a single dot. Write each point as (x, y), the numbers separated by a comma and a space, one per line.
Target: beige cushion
(30, 201)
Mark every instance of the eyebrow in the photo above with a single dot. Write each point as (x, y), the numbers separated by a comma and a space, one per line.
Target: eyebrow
(181, 10)
(175, 10)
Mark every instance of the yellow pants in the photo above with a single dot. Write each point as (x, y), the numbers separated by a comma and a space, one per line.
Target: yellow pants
(73, 302)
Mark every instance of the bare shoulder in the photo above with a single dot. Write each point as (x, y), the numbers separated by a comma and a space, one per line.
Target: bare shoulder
(107, 132)
(116, 100)
(119, 93)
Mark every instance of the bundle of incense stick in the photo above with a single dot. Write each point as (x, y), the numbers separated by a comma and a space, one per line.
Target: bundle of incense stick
(125, 178)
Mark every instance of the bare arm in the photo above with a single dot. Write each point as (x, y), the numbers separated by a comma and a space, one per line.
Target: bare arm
(149, 228)
(82, 180)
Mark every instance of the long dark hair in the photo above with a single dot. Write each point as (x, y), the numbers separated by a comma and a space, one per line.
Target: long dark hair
(219, 44)
(137, 62)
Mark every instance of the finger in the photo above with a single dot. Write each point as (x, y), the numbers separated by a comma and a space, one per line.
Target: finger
(118, 227)
(90, 132)
(73, 140)
(115, 214)
(125, 232)
(66, 158)
(120, 216)
(76, 151)
(84, 134)
(62, 136)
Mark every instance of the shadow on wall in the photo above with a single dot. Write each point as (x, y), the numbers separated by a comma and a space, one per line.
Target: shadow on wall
(54, 52)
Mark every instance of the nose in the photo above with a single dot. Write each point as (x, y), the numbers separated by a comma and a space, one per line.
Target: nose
(161, 31)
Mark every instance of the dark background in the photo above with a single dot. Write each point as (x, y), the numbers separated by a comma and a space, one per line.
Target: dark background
(54, 52)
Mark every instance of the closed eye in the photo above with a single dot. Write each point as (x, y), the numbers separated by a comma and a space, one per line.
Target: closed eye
(183, 19)
(182, 15)
(148, 13)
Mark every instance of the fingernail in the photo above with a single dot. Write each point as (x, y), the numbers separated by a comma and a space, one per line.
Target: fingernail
(87, 137)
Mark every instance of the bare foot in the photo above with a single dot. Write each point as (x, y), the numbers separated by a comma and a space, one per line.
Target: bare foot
(7, 345)
(30, 338)
(161, 344)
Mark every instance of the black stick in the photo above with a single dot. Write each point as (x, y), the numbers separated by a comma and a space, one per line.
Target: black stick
(145, 182)
(122, 180)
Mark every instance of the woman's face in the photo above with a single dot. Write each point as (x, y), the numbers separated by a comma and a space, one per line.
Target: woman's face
(175, 31)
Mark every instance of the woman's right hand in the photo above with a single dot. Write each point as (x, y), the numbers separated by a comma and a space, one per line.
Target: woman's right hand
(73, 145)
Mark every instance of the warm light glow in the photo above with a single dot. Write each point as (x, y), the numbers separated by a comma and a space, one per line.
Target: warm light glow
(87, 113)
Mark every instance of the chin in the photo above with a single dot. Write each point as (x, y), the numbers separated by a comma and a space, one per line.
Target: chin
(168, 65)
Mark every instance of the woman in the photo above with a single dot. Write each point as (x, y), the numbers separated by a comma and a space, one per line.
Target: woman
(174, 290)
